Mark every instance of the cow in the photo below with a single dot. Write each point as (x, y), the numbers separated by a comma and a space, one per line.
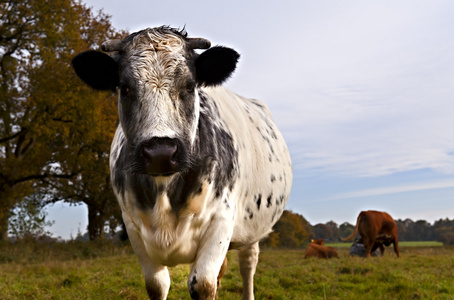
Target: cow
(376, 227)
(358, 249)
(197, 169)
(318, 249)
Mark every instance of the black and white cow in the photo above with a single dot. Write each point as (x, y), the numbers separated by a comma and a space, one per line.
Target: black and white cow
(197, 169)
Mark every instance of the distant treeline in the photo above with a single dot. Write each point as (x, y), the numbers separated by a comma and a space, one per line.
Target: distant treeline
(294, 231)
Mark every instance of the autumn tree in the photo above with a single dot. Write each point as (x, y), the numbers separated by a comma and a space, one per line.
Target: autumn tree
(291, 231)
(49, 121)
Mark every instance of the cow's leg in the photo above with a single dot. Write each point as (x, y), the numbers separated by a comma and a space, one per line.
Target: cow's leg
(203, 278)
(221, 274)
(157, 278)
(368, 244)
(157, 281)
(248, 259)
(396, 247)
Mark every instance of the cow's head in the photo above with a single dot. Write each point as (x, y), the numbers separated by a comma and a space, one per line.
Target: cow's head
(320, 242)
(158, 74)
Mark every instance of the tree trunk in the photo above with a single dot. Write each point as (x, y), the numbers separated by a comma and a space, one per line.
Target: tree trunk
(96, 221)
(4, 224)
(5, 213)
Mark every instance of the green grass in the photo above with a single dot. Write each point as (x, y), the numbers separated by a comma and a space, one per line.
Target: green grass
(108, 271)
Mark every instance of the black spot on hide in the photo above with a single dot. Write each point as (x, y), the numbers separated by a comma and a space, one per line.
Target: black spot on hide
(192, 291)
(217, 143)
(188, 184)
(268, 200)
(144, 189)
(249, 213)
(259, 201)
(226, 204)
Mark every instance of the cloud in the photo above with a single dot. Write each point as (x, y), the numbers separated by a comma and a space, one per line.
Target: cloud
(377, 99)
(442, 184)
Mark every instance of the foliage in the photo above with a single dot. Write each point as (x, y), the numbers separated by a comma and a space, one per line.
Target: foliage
(291, 231)
(329, 231)
(108, 271)
(444, 231)
(52, 127)
(346, 229)
(28, 220)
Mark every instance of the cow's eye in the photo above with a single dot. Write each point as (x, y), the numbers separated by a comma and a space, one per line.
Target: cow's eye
(190, 86)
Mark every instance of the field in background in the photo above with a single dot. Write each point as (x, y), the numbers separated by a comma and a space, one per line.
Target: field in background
(401, 244)
(107, 271)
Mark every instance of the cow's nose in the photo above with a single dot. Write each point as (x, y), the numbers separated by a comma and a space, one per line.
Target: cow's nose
(159, 154)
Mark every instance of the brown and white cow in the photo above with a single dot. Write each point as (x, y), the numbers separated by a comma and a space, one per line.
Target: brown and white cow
(197, 169)
(318, 249)
(376, 228)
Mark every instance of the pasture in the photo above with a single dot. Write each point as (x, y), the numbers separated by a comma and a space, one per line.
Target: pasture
(103, 270)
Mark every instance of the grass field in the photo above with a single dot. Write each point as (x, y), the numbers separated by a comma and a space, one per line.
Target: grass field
(107, 271)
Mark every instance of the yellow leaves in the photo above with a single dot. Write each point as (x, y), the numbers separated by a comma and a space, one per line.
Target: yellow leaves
(290, 231)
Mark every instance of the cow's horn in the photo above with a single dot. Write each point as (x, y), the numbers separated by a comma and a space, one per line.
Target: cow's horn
(198, 43)
(111, 45)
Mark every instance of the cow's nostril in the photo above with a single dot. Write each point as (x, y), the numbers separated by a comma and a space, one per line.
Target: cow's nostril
(160, 158)
(160, 152)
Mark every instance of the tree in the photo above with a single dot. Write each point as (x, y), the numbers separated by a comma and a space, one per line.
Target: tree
(335, 232)
(291, 231)
(422, 231)
(47, 116)
(322, 231)
(92, 186)
(444, 231)
(401, 230)
(346, 229)
(28, 220)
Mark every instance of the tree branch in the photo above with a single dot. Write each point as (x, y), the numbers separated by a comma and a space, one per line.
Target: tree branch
(43, 176)
(6, 139)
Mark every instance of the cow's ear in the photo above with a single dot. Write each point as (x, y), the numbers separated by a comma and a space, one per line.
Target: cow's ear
(215, 65)
(97, 69)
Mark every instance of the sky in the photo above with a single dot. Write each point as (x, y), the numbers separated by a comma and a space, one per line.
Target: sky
(362, 91)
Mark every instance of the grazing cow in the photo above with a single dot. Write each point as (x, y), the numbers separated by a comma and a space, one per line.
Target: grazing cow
(317, 249)
(197, 169)
(375, 226)
(358, 249)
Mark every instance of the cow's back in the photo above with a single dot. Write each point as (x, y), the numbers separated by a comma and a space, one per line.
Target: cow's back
(263, 181)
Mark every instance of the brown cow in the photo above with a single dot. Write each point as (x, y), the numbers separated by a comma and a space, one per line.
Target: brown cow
(375, 226)
(317, 249)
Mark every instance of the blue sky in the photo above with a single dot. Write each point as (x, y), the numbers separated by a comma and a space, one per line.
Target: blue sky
(362, 91)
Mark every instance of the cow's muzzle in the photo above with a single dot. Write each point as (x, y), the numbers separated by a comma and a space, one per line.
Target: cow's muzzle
(162, 156)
